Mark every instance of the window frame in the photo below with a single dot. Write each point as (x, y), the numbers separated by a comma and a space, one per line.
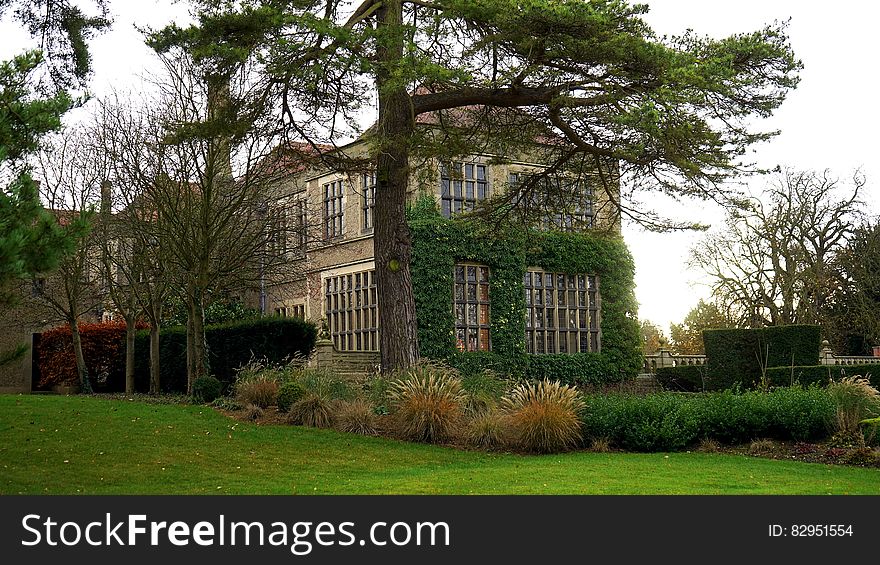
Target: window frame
(571, 304)
(583, 217)
(333, 209)
(352, 311)
(454, 198)
(368, 201)
(480, 324)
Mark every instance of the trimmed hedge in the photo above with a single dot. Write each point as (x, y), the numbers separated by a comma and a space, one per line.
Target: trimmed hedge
(439, 243)
(821, 374)
(685, 378)
(574, 369)
(230, 346)
(671, 422)
(735, 356)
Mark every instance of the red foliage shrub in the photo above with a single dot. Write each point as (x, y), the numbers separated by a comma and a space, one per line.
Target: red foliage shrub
(103, 349)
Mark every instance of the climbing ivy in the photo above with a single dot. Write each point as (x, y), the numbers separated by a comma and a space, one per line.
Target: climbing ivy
(439, 243)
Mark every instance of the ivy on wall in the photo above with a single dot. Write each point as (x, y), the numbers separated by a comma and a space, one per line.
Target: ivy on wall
(439, 243)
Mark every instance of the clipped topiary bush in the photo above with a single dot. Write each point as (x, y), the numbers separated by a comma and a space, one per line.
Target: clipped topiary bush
(543, 417)
(206, 389)
(654, 422)
(288, 394)
(574, 369)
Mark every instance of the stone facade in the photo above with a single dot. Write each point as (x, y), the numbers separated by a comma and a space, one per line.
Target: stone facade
(31, 313)
(350, 252)
(16, 329)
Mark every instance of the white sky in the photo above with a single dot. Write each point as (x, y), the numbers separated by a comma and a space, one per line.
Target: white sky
(829, 122)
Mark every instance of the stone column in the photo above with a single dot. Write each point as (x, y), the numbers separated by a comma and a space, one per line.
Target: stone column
(826, 356)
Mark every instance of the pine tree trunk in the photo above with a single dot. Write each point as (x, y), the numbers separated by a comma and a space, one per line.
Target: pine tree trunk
(391, 238)
(85, 384)
(130, 322)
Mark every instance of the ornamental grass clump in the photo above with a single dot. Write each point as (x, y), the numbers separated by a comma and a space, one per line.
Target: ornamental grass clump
(855, 400)
(357, 417)
(312, 410)
(252, 412)
(482, 392)
(427, 403)
(543, 416)
(486, 429)
(257, 383)
(325, 384)
(260, 390)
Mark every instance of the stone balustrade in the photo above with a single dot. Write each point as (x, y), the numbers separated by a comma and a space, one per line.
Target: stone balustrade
(827, 357)
(665, 358)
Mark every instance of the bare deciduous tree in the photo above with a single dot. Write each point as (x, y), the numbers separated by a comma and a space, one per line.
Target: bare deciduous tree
(70, 186)
(774, 262)
(199, 168)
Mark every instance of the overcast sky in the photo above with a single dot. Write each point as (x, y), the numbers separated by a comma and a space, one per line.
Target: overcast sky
(829, 122)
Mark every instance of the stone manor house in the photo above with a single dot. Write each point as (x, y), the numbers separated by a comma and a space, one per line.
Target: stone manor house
(563, 310)
(337, 285)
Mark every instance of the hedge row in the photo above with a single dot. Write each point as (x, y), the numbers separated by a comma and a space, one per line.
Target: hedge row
(736, 356)
(821, 374)
(103, 350)
(686, 378)
(671, 422)
(230, 346)
(575, 369)
(692, 378)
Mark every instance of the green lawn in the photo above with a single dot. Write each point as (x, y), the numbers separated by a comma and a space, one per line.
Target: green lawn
(53, 444)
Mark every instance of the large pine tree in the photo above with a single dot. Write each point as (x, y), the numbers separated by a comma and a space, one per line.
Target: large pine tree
(673, 115)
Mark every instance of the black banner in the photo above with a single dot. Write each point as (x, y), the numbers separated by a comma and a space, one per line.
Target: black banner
(432, 529)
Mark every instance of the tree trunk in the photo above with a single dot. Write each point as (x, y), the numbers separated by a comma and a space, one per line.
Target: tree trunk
(84, 384)
(197, 351)
(130, 322)
(190, 344)
(154, 311)
(154, 360)
(391, 239)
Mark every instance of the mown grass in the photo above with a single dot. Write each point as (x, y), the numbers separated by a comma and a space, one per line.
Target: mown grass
(52, 444)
